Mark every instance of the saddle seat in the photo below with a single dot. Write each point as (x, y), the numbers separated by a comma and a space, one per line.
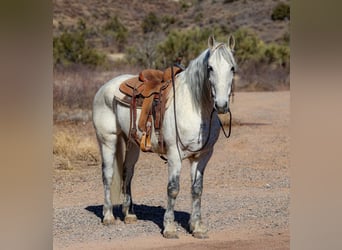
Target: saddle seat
(149, 82)
(149, 90)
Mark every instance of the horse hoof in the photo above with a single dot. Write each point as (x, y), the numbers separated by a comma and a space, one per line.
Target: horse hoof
(109, 221)
(170, 235)
(200, 235)
(170, 231)
(130, 218)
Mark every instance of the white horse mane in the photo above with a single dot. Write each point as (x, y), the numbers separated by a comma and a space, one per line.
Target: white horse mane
(196, 75)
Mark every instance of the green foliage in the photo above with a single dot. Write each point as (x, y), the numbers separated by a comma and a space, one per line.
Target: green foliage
(186, 44)
(279, 54)
(144, 54)
(281, 12)
(150, 23)
(199, 16)
(71, 47)
(286, 38)
(250, 48)
(184, 5)
(115, 32)
(166, 22)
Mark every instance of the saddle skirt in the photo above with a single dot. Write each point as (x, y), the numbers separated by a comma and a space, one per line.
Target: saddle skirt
(149, 91)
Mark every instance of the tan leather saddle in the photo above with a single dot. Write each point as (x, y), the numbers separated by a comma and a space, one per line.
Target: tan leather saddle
(149, 91)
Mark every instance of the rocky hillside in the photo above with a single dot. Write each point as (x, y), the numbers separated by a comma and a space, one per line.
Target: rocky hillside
(182, 14)
(152, 33)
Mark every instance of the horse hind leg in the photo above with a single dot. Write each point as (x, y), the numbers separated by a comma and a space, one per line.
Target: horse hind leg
(131, 158)
(112, 165)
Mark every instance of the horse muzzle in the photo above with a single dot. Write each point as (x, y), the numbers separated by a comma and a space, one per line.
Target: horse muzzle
(221, 109)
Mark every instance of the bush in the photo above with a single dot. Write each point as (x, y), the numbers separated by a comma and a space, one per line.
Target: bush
(185, 44)
(150, 23)
(248, 46)
(263, 67)
(115, 32)
(72, 48)
(281, 12)
(278, 54)
(166, 22)
(144, 54)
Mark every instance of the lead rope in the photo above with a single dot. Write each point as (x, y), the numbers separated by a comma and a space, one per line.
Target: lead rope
(229, 127)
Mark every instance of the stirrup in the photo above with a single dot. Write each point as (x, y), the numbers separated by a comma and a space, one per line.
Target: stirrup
(145, 143)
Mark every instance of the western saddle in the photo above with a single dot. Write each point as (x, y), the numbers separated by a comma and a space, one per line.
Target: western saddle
(149, 91)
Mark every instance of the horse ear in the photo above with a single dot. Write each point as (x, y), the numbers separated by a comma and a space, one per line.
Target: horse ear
(211, 42)
(231, 42)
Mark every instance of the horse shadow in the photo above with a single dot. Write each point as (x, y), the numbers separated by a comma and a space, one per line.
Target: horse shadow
(154, 214)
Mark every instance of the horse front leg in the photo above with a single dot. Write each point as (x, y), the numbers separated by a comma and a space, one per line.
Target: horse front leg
(197, 228)
(131, 158)
(174, 167)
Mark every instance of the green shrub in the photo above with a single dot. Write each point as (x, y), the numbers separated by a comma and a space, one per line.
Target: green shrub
(115, 32)
(248, 46)
(184, 5)
(150, 23)
(144, 53)
(71, 47)
(166, 22)
(279, 54)
(281, 12)
(187, 44)
(286, 38)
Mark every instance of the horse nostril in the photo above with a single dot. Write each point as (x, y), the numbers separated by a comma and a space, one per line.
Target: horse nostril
(221, 109)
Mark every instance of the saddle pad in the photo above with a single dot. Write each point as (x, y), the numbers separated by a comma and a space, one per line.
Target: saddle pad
(127, 100)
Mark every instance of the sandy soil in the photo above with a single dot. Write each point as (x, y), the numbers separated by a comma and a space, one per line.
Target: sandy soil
(245, 202)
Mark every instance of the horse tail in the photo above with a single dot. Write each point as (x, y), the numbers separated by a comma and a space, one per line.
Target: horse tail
(111, 143)
(116, 189)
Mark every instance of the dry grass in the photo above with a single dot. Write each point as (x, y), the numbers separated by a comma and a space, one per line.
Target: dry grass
(73, 144)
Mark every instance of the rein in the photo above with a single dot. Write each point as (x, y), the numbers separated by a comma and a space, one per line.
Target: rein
(211, 116)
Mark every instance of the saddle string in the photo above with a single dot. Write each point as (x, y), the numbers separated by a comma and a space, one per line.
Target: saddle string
(133, 117)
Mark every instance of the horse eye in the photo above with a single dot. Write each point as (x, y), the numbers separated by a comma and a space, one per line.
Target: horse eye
(233, 69)
(210, 68)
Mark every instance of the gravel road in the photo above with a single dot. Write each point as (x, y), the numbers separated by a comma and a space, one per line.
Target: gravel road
(245, 201)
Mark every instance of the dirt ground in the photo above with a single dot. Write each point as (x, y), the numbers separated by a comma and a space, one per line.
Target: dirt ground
(245, 201)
